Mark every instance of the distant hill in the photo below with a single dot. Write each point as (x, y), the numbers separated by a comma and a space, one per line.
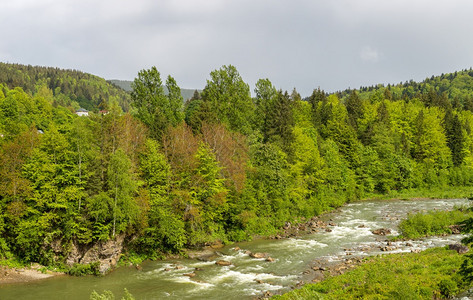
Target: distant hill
(457, 87)
(126, 85)
(70, 88)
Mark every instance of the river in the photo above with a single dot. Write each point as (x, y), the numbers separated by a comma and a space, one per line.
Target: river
(246, 277)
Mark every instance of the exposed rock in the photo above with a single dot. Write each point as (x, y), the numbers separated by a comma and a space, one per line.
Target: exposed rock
(409, 244)
(198, 269)
(268, 294)
(461, 249)
(217, 245)
(362, 226)
(270, 259)
(456, 229)
(381, 231)
(223, 263)
(258, 255)
(259, 281)
(189, 275)
(237, 249)
(328, 230)
(415, 250)
(106, 253)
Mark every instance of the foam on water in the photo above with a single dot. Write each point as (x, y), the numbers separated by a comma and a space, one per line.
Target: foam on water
(245, 278)
(300, 243)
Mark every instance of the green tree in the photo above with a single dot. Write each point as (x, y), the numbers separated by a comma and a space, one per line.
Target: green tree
(278, 126)
(176, 110)
(165, 229)
(122, 188)
(154, 108)
(230, 99)
(265, 96)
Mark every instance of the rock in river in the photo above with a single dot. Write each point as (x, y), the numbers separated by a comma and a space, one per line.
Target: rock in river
(223, 263)
(258, 255)
(382, 231)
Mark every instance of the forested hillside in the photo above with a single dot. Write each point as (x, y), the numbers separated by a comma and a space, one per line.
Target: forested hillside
(454, 88)
(68, 88)
(223, 168)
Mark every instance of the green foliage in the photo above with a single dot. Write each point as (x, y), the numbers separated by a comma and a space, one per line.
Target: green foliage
(121, 187)
(237, 167)
(229, 99)
(82, 270)
(432, 223)
(69, 88)
(154, 108)
(426, 275)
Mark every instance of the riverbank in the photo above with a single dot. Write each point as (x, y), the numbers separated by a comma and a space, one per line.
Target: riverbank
(10, 275)
(427, 275)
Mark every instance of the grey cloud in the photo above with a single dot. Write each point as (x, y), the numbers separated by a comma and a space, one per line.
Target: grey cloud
(303, 44)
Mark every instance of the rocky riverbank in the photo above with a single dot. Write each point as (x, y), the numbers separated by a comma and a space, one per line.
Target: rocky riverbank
(20, 275)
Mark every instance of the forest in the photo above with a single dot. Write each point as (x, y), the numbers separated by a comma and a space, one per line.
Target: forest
(224, 166)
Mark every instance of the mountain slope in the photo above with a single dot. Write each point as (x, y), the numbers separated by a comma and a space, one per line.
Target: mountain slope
(457, 87)
(74, 88)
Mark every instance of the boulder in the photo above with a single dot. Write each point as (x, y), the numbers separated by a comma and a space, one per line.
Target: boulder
(189, 275)
(222, 263)
(461, 249)
(381, 231)
(455, 229)
(269, 259)
(258, 255)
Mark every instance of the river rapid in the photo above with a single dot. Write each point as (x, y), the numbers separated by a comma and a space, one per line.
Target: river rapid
(247, 277)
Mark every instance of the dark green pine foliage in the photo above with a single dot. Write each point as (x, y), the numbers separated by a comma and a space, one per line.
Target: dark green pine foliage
(279, 122)
(355, 109)
(318, 102)
(455, 139)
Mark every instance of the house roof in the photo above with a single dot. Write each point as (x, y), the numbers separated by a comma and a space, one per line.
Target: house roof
(82, 110)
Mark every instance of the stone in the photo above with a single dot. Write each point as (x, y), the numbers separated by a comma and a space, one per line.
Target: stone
(189, 275)
(258, 255)
(461, 249)
(381, 231)
(222, 263)
(455, 229)
(270, 259)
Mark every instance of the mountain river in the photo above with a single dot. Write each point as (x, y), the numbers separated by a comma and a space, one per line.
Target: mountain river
(350, 235)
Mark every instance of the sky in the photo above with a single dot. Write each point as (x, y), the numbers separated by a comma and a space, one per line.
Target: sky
(302, 44)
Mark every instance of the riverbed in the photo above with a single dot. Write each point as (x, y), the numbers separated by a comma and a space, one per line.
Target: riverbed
(350, 235)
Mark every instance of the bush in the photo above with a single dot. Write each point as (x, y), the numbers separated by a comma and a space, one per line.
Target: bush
(87, 269)
(448, 288)
(432, 223)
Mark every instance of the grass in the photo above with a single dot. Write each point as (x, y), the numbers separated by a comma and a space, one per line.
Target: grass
(432, 223)
(449, 192)
(426, 275)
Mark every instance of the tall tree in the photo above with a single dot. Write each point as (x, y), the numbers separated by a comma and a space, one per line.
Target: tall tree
(122, 187)
(230, 99)
(154, 108)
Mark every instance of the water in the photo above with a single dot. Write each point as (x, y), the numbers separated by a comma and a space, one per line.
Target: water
(246, 277)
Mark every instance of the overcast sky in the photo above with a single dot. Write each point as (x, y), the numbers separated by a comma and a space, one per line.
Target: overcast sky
(331, 44)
